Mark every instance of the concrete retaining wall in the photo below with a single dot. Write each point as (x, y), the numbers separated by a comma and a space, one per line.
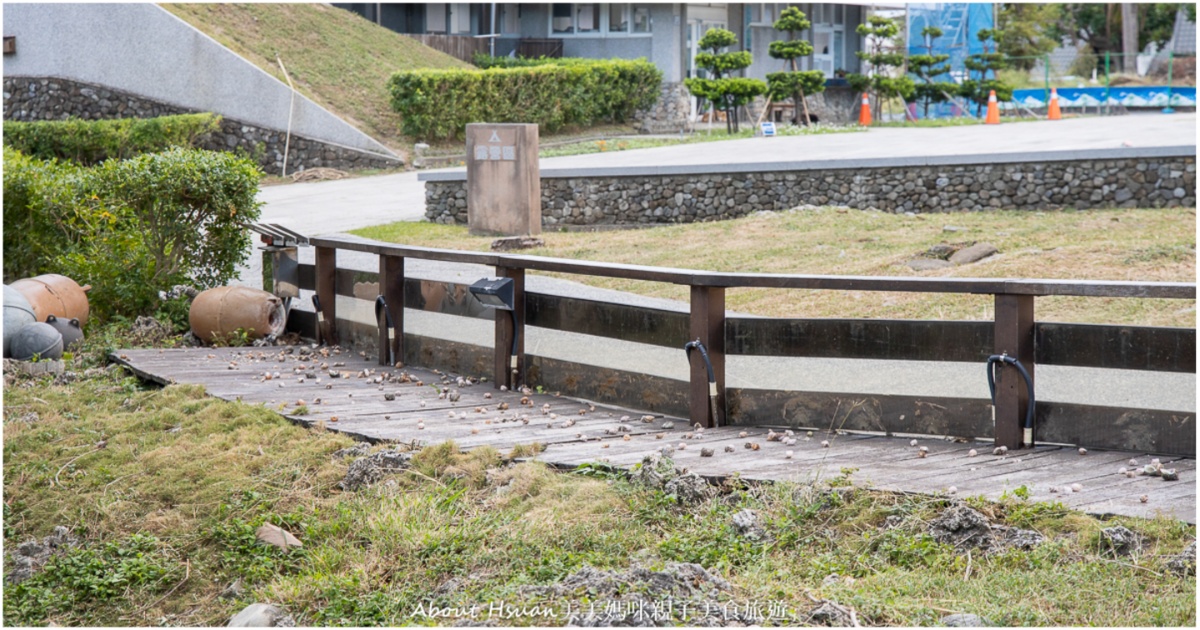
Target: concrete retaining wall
(43, 98)
(142, 50)
(1111, 178)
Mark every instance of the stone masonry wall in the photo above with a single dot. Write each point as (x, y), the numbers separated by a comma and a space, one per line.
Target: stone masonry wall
(668, 114)
(608, 200)
(42, 98)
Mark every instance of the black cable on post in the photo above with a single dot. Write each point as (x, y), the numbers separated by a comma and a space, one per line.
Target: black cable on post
(386, 321)
(991, 376)
(712, 379)
(513, 353)
(320, 317)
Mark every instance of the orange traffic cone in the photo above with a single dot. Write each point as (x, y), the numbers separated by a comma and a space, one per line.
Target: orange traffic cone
(864, 113)
(993, 115)
(1054, 113)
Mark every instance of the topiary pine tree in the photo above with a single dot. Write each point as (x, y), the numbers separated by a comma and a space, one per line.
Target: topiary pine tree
(880, 33)
(794, 83)
(989, 61)
(927, 67)
(724, 91)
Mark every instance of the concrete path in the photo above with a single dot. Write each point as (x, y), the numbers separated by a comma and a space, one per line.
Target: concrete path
(328, 207)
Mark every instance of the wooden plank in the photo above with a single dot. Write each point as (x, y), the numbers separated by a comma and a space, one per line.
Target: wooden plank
(603, 319)
(1014, 337)
(1148, 430)
(326, 289)
(860, 339)
(1116, 347)
(706, 401)
(958, 417)
(1092, 288)
(392, 281)
(604, 385)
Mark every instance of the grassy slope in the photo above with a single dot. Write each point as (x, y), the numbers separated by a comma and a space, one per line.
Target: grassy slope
(184, 480)
(1146, 245)
(334, 57)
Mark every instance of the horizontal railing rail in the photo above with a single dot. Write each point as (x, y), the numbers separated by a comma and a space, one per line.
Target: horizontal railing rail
(1013, 332)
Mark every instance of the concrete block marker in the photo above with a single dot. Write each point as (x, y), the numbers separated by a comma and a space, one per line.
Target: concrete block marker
(504, 186)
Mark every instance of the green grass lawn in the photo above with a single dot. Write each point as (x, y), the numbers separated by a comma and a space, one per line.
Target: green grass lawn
(1145, 245)
(335, 57)
(167, 506)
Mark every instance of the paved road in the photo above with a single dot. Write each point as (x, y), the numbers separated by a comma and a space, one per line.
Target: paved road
(328, 207)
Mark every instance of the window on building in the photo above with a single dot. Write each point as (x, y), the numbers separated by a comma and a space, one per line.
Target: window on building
(436, 18)
(560, 18)
(618, 18)
(587, 18)
(641, 19)
(509, 22)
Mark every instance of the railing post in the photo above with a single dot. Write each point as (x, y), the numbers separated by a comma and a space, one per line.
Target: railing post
(707, 325)
(326, 264)
(391, 287)
(505, 362)
(1013, 336)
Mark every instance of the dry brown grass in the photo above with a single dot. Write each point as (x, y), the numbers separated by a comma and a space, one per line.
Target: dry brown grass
(1152, 245)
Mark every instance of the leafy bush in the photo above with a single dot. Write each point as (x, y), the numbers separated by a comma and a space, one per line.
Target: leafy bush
(88, 142)
(440, 103)
(130, 228)
(40, 217)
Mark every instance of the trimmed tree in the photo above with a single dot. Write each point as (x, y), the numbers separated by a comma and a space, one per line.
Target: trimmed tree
(794, 83)
(927, 67)
(880, 34)
(725, 92)
(987, 64)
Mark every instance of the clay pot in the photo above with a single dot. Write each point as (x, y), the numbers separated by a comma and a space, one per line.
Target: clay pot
(17, 314)
(36, 340)
(217, 314)
(53, 294)
(72, 333)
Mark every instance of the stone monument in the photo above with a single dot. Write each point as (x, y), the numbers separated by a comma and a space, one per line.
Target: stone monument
(504, 186)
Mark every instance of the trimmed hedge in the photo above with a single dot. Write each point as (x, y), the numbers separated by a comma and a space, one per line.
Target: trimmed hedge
(436, 104)
(89, 142)
(130, 228)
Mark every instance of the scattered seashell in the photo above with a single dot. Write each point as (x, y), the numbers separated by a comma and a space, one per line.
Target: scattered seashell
(605, 445)
(504, 388)
(972, 453)
(729, 449)
(743, 434)
(681, 446)
(333, 418)
(1133, 462)
(487, 395)
(1143, 498)
(422, 403)
(824, 443)
(659, 436)
(706, 452)
(474, 431)
(389, 396)
(502, 406)
(788, 454)
(1122, 470)
(748, 445)
(647, 418)
(1000, 450)
(1076, 487)
(808, 434)
(1131, 473)
(626, 438)
(668, 425)
(754, 446)
(952, 490)
(1082, 451)
(912, 443)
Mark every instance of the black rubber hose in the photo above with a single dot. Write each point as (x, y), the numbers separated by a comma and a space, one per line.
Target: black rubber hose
(320, 318)
(991, 369)
(712, 378)
(381, 308)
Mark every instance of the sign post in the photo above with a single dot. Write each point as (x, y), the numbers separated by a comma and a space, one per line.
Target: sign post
(504, 186)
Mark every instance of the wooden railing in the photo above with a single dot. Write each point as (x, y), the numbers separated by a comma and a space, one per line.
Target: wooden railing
(1013, 332)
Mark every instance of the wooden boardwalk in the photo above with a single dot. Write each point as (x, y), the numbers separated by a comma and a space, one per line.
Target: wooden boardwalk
(352, 394)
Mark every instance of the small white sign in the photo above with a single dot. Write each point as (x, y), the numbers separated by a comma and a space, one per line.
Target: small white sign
(768, 129)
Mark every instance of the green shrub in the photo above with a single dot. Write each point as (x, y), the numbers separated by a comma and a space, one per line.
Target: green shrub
(130, 228)
(439, 103)
(40, 218)
(90, 142)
